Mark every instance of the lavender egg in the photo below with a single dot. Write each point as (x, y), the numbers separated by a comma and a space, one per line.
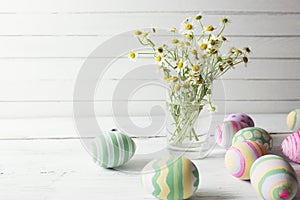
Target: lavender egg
(226, 131)
(240, 117)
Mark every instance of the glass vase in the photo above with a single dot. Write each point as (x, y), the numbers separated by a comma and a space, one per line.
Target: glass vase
(188, 130)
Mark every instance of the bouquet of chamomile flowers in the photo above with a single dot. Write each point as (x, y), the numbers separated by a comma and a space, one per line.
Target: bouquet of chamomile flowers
(190, 62)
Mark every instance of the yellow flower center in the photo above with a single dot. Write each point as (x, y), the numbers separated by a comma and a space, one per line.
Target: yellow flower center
(195, 68)
(173, 30)
(158, 58)
(165, 77)
(188, 44)
(180, 44)
(210, 28)
(174, 78)
(160, 50)
(180, 64)
(175, 41)
(203, 46)
(188, 27)
(189, 36)
(137, 32)
(225, 20)
(194, 51)
(212, 42)
(198, 81)
(198, 17)
(177, 87)
(132, 55)
(238, 51)
(185, 85)
(247, 49)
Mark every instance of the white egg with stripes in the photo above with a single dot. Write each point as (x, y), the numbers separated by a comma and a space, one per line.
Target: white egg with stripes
(112, 149)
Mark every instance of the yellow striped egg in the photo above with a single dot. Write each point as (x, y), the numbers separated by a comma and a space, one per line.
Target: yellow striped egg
(255, 134)
(170, 178)
(240, 157)
(293, 120)
(274, 178)
(112, 149)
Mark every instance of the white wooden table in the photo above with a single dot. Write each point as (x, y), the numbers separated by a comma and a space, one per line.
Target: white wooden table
(44, 159)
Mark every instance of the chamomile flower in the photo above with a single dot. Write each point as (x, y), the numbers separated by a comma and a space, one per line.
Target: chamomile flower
(133, 56)
(187, 26)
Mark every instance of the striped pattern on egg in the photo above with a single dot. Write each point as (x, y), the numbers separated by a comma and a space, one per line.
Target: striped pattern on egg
(170, 178)
(226, 131)
(293, 120)
(272, 177)
(240, 157)
(240, 117)
(290, 147)
(255, 134)
(112, 149)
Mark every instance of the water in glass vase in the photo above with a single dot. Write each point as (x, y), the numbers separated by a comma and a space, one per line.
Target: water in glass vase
(188, 130)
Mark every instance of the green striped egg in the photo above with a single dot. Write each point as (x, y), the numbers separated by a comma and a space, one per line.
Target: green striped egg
(171, 178)
(254, 134)
(274, 178)
(112, 149)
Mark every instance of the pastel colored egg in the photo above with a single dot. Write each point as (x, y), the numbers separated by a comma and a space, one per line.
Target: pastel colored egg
(240, 117)
(293, 120)
(170, 178)
(290, 147)
(272, 177)
(112, 149)
(240, 157)
(226, 131)
(255, 134)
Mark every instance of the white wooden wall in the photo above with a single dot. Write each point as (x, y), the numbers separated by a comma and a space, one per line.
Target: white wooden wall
(43, 44)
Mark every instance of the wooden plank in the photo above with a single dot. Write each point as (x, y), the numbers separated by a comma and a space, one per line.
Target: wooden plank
(67, 69)
(44, 109)
(146, 90)
(97, 24)
(74, 47)
(38, 127)
(139, 6)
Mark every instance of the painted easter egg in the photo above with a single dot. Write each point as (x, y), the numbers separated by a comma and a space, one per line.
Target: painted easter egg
(226, 131)
(240, 157)
(293, 120)
(272, 177)
(112, 149)
(170, 178)
(240, 117)
(255, 134)
(290, 147)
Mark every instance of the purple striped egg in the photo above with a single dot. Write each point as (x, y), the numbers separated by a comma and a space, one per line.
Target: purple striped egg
(226, 131)
(290, 147)
(240, 117)
(240, 157)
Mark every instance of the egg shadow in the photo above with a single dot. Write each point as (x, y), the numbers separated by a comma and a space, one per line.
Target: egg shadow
(138, 162)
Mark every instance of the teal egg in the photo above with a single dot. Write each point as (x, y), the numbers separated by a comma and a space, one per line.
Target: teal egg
(254, 134)
(171, 178)
(112, 149)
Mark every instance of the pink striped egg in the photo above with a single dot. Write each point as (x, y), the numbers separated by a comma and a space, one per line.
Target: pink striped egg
(240, 117)
(226, 131)
(240, 157)
(290, 147)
